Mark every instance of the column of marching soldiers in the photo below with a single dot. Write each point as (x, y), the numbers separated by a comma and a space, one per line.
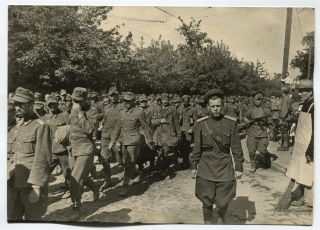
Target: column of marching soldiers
(158, 133)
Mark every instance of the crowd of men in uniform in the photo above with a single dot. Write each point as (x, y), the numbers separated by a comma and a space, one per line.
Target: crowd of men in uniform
(165, 132)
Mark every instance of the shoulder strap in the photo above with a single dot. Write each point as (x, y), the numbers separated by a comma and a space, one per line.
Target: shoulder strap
(202, 118)
(230, 118)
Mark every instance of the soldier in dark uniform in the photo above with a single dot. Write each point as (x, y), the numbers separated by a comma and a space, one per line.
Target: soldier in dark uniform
(211, 161)
(130, 122)
(167, 134)
(258, 120)
(110, 116)
(188, 117)
(55, 119)
(27, 190)
(83, 147)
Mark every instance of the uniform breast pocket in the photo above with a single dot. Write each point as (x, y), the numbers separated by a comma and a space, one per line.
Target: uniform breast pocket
(28, 144)
(206, 139)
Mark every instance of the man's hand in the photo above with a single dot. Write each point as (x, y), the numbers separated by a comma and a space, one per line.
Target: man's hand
(110, 145)
(193, 173)
(34, 195)
(239, 174)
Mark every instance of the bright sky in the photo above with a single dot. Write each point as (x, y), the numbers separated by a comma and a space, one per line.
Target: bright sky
(250, 33)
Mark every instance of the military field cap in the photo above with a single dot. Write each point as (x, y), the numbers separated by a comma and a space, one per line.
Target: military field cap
(38, 105)
(200, 99)
(128, 96)
(164, 96)
(305, 84)
(176, 99)
(23, 95)
(258, 96)
(112, 91)
(213, 92)
(92, 95)
(52, 99)
(79, 94)
(142, 97)
(185, 98)
(63, 92)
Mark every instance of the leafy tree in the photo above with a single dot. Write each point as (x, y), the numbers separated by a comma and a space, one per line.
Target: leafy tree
(302, 58)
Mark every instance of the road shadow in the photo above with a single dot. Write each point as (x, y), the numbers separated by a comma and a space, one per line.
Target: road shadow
(241, 210)
(119, 216)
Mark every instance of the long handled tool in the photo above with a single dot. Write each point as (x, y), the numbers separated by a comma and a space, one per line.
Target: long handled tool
(285, 199)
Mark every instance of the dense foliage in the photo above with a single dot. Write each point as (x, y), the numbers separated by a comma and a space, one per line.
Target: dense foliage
(63, 47)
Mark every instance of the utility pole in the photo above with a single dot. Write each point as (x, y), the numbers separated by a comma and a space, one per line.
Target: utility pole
(287, 42)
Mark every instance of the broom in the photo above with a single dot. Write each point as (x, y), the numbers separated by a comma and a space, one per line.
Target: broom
(285, 199)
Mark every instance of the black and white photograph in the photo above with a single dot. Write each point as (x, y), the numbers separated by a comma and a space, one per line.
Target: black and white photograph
(160, 115)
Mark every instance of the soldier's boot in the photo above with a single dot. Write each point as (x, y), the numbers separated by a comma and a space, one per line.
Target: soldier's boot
(252, 163)
(221, 214)
(93, 187)
(107, 173)
(128, 173)
(285, 142)
(207, 215)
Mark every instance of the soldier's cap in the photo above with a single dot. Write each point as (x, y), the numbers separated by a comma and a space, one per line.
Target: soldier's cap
(23, 95)
(38, 105)
(199, 99)
(52, 99)
(213, 92)
(142, 97)
(79, 94)
(176, 99)
(128, 96)
(63, 92)
(305, 84)
(92, 95)
(259, 96)
(164, 96)
(185, 98)
(112, 91)
(37, 95)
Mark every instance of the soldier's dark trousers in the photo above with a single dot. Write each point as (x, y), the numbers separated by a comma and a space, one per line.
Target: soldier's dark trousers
(130, 154)
(259, 144)
(275, 130)
(185, 148)
(63, 160)
(219, 193)
(168, 158)
(18, 206)
(81, 168)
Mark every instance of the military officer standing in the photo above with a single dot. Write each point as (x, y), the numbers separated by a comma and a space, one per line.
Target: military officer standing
(83, 147)
(211, 161)
(130, 121)
(27, 190)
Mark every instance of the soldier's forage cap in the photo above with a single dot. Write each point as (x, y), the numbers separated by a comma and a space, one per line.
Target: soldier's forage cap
(305, 84)
(113, 91)
(143, 97)
(185, 98)
(38, 105)
(79, 94)
(52, 99)
(92, 95)
(213, 92)
(259, 96)
(128, 96)
(200, 99)
(176, 99)
(63, 92)
(164, 96)
(23, 95)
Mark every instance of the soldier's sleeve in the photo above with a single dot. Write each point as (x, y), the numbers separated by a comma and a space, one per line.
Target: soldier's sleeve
(196, 151)
(116, 132)
(176, 121)
(145, 127)
(236, 148)
(86, 125)
(39, 172)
